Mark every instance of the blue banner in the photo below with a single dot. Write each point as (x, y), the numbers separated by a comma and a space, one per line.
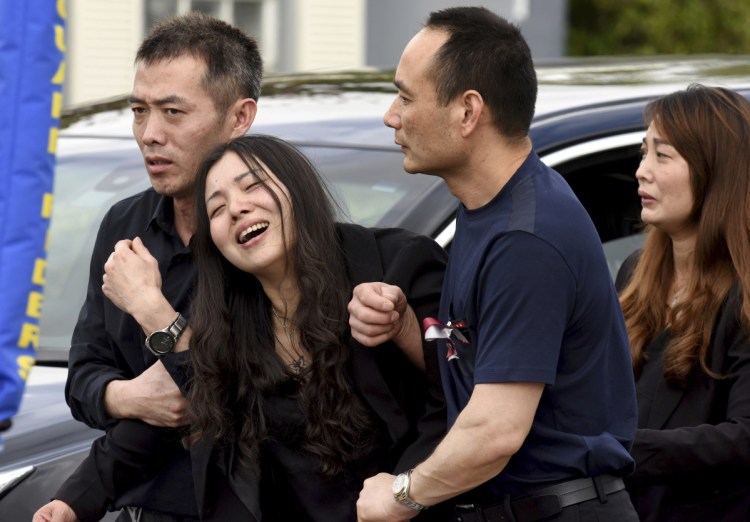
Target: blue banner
(32, 70)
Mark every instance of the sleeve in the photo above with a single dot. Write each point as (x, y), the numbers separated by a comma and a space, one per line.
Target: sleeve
(416, 264)
(129, 452)
(92, 362)
(526, 294)
(178, 366)
(708, 449)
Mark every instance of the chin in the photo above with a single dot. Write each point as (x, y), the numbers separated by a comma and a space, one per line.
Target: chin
(411, 167)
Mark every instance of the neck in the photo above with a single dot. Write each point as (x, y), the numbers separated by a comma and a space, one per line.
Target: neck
(683, 250)
(490, 167)
(184, 218)
(284, 297)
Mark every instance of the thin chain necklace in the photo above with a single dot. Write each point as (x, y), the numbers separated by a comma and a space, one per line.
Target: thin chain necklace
(298, 362)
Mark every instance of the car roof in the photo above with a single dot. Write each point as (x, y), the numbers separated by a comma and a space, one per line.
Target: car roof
(343, 106)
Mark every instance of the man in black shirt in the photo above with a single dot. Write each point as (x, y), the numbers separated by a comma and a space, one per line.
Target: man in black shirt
(196, 85)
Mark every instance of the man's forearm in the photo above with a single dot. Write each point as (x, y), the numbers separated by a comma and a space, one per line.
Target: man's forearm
(465, 459)
(152, 397)
(487, 433)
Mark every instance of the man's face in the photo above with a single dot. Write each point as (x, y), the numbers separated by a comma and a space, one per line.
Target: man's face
(425, 130)
(175, 122)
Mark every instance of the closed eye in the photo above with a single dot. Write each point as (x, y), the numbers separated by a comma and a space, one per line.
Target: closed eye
(215, 212)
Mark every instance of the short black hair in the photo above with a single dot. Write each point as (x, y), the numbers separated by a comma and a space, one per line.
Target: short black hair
(234, 68)
(486, 53)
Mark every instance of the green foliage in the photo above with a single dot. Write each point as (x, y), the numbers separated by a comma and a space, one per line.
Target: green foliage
(610, 27)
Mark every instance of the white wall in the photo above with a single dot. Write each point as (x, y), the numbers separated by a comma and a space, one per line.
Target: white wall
(103, 36)
(329, 35)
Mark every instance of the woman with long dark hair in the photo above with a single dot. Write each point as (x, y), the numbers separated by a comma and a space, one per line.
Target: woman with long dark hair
(276, 376)
(686, 306)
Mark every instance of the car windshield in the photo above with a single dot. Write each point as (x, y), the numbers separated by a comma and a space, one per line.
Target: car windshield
(92, 174)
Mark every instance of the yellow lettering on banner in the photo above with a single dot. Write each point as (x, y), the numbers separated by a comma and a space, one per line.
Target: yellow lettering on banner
(47, 201)
(34, 304)
(60, 37)
(25, 363)
(39, 266)
(57, 102)
(52, 145)
(59, 76)
(61, 9)
(29, 336)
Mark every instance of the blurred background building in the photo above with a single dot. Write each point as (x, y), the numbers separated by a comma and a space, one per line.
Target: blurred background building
(294, 35)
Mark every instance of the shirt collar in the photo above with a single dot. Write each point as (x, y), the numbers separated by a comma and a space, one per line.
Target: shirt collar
(163, 215)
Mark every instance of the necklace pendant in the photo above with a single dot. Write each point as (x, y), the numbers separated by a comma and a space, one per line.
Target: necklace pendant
(298, 365)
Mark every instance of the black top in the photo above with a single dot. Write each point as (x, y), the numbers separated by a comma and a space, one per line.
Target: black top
(108, 344)
(692, 446)
(288, 468)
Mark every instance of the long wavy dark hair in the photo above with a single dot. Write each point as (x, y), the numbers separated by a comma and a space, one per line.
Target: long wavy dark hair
(710, 128)
(232, 348)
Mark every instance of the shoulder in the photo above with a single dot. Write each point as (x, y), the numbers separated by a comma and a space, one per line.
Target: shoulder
(625, 273)
(388, 254)
(139, 207)
(385, 240)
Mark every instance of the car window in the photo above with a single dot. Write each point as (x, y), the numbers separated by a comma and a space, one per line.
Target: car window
(86, 185)
(605, 183)
(370, 185)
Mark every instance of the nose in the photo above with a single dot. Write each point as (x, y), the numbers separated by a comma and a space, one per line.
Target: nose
(150, 129)
(643, 171)
(391, 118)
(238, 208)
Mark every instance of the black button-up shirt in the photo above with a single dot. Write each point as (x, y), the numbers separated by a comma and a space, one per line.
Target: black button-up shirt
(108, 344)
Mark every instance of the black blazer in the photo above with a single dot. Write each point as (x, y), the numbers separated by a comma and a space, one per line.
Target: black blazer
(692, 447)
(410, 403)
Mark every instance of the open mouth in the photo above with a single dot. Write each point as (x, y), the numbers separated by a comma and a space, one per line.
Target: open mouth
(252, 232)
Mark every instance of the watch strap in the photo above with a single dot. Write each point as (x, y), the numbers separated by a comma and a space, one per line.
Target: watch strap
(177, 326)
(402, 497)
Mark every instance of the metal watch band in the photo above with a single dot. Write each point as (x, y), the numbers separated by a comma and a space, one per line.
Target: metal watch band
(403, 496)
(406, 501)
(177, 326)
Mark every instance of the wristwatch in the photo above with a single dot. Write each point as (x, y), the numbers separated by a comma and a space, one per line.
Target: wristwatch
(162, 342)
(401, 491)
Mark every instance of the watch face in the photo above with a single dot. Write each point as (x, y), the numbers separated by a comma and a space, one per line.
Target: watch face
(161, 342)
(399, 484)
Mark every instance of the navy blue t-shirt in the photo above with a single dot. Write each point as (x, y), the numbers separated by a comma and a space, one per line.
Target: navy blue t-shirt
(528, 280)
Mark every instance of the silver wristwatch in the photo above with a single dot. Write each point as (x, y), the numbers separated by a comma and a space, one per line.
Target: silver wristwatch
(401, 491)
(162, 342)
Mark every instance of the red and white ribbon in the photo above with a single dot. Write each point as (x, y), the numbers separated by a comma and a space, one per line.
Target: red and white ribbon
(434, 329)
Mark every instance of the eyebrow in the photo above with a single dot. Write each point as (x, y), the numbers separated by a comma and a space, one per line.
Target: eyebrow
(401, 87)
(167, 100)
(237, 179)
(659, 141)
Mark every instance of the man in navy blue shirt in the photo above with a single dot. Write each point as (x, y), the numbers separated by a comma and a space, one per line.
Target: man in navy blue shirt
(534, 354)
